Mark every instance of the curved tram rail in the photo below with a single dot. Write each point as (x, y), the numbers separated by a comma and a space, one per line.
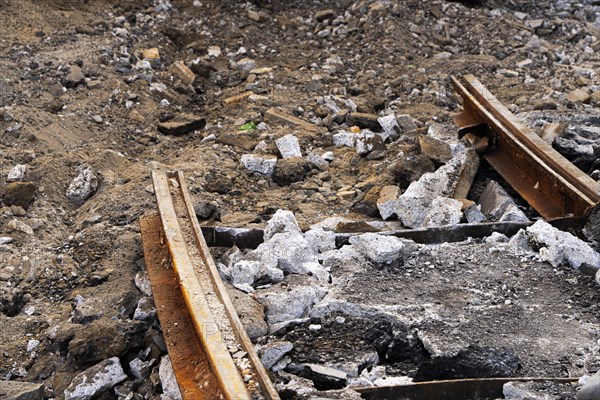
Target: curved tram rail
(211, 354)
(551, 184)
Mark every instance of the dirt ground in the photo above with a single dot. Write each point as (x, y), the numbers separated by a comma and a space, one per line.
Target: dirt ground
(67, 286)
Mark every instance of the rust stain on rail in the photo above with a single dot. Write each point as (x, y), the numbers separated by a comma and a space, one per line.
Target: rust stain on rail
(200, 324)
(551, 184)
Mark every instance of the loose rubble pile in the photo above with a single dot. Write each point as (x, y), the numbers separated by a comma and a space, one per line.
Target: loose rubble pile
(373, 313)
(326, 109)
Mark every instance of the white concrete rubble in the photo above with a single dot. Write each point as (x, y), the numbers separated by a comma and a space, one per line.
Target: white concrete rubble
(291, 303)
(83, 185)
(289, 146)
(344, 138)
(444, 211)
(272, 352)
(96, 380)
(382, 249)
(264, 165)
(17, 173)
(415, 203)
(281, 221)
(558, 247)
(320, 240)
(167, 379)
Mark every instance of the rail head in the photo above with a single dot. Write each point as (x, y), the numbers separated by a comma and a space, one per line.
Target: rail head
(170, 188)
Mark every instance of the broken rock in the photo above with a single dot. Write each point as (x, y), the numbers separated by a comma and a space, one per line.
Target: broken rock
(96, 380)
(167, 379)
(288, 146)
(415, 203)
(271, 353)
(262, 165)
(83, 185)
(363, 120)
(294, 300)
(444, 211)
(19, 194)
(435, 149)
(382, 249)
(183, 72)
(290, 170)
(14, 390)
(496, 202)
(386, 203)
(17, 173)
(558, 247)
(181, 124)
(281, 221)
(325, 378)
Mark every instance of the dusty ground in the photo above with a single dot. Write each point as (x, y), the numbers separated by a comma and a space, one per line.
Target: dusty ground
(393, 56)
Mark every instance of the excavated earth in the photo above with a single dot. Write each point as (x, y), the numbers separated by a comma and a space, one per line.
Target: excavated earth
(80, 109)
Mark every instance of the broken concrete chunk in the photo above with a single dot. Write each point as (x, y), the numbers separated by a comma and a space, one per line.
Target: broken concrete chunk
(181, 124)
(17, 174)
(281, 221)
(498, 205)
(415, 203)
(382, 249)
(96, 380)
(319, 161)
(386, 203)
(370, 145)
(140, 369)
(288, 251)
(142, 282)
(553, 130)
(21, 194)
(388, 123)
(347, 139)
(513, 214)
(558, 247)
(264, 165)
(83, 185)
(145, 310)
(435, 149)
(289, 146)
(246, 64)
(524, 391)
(444, 211)
(473, 214)
(320, 240)
(271, 353)
(19, 226)
(167, 379)
(74, 78)
(292, 301)
(251, 314)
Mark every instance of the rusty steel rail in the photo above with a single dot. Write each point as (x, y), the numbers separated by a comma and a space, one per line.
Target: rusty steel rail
(552, 185)
(201, 327)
